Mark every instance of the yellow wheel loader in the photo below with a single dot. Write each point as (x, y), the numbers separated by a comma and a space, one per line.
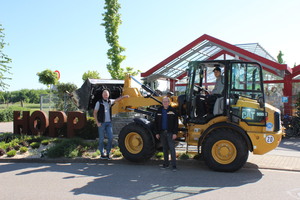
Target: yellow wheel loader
(224, 131)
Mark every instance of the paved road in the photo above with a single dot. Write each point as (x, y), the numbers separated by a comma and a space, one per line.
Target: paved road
(124, 180)
(6, 127)
(114, 180)
(285, 157)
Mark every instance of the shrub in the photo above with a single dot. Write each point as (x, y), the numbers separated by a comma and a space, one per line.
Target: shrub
(7, 137)
(2, 152)
(198, 157)
(81, 149)
(34, 139)
(17, 147)
(62, 132)
(95, 154)
(77, 152)
(35, 145)
(73, 154)
(11, 153)
(184, 156)
(159, 155)
(9, 148)
(65, 148)
(6, 115)
(2, 145)
(24, 143)
(71, 151)
(23, 140)
(94, 144)
(116, 152)
(45, 142)
(90, 131)
(56, 140)
(23, 149)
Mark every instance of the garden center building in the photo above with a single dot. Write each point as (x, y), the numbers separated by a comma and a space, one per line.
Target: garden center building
(282, 83)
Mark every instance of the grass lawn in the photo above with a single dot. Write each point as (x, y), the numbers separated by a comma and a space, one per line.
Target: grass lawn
(17, 106)
(6, 110)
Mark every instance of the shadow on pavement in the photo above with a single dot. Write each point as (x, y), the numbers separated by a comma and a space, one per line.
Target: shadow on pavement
(290, 143)
(141, 181)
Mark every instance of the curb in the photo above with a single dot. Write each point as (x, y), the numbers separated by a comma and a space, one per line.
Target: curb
(189, 162)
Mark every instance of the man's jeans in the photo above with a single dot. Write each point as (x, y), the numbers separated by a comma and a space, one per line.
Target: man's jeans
(105, 127)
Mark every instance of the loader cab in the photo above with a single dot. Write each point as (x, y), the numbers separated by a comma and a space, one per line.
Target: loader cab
(242, 98)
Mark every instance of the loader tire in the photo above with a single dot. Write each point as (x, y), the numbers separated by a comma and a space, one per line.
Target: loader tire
(225, 150)
(136, 143)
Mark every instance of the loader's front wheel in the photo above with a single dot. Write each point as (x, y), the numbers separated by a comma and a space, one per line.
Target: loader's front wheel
(136, 143)
(225, 150)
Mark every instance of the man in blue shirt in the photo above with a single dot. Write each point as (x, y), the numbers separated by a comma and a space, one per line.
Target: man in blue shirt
(166, 126)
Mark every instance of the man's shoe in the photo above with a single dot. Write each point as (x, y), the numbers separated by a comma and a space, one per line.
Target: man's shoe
(103, 157)
(174, 168)
(165, 166)
(108, 157)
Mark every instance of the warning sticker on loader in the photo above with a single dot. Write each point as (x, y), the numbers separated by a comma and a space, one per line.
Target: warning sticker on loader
(269, 126)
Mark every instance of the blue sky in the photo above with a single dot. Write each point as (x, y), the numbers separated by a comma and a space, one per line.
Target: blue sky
(66, 35)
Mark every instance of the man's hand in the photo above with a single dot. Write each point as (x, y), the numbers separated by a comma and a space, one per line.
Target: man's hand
(121, 97)
(99, 124)
(174, 136)
(157, 136)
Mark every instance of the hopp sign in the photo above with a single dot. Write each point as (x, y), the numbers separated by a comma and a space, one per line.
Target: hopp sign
(38, 122)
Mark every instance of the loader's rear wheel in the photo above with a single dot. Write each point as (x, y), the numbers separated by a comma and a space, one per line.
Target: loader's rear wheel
(225, 150)
(136, 143)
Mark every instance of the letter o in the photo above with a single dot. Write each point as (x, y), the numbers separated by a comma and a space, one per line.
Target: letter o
(38, 122)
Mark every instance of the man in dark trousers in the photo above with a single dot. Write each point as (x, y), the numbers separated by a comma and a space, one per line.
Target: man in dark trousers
(166, 125)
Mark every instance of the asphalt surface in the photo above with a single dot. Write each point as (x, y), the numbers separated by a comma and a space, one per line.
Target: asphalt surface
(285, 157)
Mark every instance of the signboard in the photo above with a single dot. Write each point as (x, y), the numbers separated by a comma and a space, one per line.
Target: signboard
(285, 99)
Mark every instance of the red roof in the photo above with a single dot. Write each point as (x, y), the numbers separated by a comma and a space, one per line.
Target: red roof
(209, 48)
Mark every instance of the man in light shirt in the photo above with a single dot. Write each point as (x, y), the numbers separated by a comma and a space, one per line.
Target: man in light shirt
(103, 117)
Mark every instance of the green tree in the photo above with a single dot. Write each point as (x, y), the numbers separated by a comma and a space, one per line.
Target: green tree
(65, 88)
(2, 97)
(4, 61)
(112, 20)
(33, 96)
(128, 70)
(19, 96)
(30, 96)
(91, 75)
(64, 92)
(279, 57)
(48, 77)
(22, 96)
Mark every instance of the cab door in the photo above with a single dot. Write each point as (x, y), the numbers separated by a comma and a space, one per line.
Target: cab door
(245, 93)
